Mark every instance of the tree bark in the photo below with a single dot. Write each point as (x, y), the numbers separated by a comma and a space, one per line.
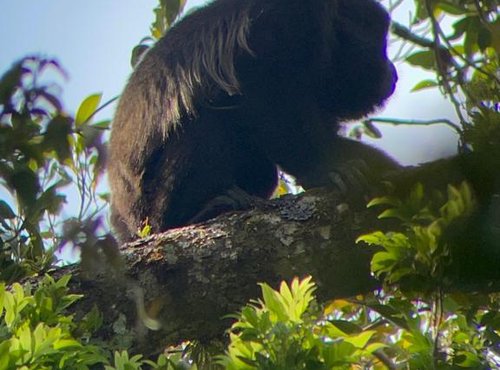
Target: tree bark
(191, 278)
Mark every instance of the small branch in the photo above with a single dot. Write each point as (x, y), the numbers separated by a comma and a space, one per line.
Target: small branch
(403, 32)
(415, 122)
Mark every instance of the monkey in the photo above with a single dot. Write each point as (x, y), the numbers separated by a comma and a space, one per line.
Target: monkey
(236, 90)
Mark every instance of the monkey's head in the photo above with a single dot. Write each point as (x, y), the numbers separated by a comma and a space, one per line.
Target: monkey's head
(360, 77)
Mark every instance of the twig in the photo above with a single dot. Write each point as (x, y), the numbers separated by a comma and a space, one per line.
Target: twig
(416, 122)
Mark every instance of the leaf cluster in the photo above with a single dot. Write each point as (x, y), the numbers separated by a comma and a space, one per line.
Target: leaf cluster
(286, 330)
(43, 153)
(35, 332)
(416, 257)
(431, 327)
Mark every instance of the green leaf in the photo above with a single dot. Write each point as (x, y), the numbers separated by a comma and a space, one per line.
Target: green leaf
(373, 347)
(375, 238)
(468, 359)
(103, 125)
(25, 339)
(4, 355)
(390, 314)
(484, 38)
(450, 8)
(460, 27)
(346, 327)
(471, 35)
(43, 338)
(426, 84)
(298, 298)
(2, 297)
(10, 308)
(173, 8)
(61, 283)
(424, 59)
(87, 109)
(66, 343)
(391, 213)
(386, 200)
(272, 302)
(381, 262)
(398, 273)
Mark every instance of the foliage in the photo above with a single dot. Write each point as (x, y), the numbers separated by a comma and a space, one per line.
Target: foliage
(419, 255)
(166, 13)
(458, 41)
(36, 334)
(44, 152)
(286, 331)
(123, 361)
(438, 330)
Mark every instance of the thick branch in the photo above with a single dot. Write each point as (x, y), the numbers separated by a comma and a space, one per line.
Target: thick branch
(192, 277)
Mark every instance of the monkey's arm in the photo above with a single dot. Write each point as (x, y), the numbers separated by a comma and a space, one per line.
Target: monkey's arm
(348, 163)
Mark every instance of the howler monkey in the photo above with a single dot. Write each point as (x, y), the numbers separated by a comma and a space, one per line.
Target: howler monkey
(236, 89)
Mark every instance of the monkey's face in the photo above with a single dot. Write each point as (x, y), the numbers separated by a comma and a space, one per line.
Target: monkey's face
(361, 76)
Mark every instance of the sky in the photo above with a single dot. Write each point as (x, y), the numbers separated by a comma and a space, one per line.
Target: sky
(92, 40)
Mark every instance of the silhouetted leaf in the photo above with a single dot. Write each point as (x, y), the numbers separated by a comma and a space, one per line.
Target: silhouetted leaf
(26, 185)
(56, 137)
(6, 211)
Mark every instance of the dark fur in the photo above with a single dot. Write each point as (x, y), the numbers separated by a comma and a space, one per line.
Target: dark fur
(237, 88)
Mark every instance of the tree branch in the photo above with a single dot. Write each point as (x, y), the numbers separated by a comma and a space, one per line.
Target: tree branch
(193, 276)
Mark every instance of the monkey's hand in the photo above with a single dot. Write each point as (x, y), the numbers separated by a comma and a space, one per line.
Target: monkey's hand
(353, 175)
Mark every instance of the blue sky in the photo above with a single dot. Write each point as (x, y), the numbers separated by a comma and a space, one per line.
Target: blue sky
(92, 39)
